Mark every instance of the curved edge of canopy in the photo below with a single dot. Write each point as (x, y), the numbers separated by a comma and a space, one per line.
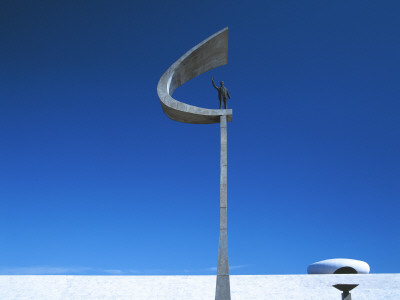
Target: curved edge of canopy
(209, 54)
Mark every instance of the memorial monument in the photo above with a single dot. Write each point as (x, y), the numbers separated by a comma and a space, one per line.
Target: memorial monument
(223, 93)
(209, 54)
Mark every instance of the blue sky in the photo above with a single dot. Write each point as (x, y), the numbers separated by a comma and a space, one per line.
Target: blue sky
(95, 179)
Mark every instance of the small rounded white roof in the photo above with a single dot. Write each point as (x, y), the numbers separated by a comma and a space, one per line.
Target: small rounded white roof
(339, 266)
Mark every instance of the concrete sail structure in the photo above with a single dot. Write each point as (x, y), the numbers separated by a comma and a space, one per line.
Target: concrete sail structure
(209, 54)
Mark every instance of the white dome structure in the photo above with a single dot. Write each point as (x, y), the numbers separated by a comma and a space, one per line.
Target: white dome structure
(339, 266)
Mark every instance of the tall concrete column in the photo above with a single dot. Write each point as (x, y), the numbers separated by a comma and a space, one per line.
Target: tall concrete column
(223, 290)
(209, 54)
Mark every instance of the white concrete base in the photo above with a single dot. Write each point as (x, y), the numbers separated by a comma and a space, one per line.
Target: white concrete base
(254, 287)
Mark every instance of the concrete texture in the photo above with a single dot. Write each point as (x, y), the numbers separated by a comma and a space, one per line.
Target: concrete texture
(222, 291)
(257, 287)
(209, 54)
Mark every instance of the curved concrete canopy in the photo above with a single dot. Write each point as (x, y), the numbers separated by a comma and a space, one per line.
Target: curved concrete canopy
(209, 54)
(331, 266)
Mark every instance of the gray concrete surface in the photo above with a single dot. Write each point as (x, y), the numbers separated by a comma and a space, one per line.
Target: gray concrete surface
(209, 54)
(222, 291)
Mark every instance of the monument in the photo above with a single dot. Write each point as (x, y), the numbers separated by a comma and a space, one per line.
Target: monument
(223, 93)
(209, 54)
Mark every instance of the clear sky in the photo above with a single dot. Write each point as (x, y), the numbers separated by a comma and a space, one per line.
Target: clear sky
(95, 179)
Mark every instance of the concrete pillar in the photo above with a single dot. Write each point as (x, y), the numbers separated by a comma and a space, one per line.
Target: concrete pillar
(345, 288)
(346, 296)
(223, 290)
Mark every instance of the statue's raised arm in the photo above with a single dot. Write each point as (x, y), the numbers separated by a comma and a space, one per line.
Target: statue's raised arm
(213, 83)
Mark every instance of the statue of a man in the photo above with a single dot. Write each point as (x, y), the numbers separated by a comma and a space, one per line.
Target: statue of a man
(223, 93)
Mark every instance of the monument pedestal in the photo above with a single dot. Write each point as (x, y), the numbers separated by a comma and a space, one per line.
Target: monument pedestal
(223, 290)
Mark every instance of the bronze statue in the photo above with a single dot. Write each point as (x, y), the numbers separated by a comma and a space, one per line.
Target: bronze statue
(223, 93)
